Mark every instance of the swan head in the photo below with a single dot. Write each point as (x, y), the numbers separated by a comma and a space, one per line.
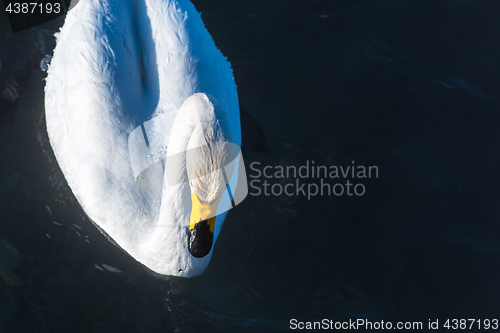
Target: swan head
(208, 168)
(208, 180)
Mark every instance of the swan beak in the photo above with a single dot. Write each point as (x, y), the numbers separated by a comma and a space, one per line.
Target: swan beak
(201, 226)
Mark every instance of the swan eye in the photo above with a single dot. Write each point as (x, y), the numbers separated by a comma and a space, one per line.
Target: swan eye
(200, 238)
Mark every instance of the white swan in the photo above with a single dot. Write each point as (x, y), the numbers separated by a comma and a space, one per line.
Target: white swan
(116, 65)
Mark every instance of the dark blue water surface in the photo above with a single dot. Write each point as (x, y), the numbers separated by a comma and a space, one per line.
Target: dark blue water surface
(411, 87)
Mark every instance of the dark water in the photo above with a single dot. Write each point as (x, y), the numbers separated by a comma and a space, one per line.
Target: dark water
(408, 86)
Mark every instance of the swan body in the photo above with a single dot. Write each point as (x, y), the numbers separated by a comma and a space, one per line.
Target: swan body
(116, 66)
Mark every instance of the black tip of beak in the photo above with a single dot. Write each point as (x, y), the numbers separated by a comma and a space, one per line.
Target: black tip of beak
(200, 239)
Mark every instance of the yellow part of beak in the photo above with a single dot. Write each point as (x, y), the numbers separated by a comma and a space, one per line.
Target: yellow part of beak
(201, 211)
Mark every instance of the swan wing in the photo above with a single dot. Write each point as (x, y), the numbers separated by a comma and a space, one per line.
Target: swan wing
(94, 98)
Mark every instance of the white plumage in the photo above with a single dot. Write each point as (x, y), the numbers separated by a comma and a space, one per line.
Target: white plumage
(116, 65)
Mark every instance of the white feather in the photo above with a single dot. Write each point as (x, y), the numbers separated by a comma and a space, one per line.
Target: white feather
(116, 65)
